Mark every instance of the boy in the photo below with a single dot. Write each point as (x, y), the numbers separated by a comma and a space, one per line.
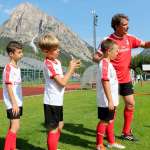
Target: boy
(54, 87)
(107, 96)
(12, 93)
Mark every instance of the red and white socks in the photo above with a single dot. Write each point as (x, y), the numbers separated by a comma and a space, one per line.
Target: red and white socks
(52, 139)
(10, 141)
(110, 132)
(128, 117)
(100, 132)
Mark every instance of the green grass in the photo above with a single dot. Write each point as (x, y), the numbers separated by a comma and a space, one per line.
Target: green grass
(80, 116)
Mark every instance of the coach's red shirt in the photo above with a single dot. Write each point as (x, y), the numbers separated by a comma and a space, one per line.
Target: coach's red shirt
(123, 60)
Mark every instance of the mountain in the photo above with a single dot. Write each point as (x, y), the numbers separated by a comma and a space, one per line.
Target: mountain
(27, 23)
(145, 52)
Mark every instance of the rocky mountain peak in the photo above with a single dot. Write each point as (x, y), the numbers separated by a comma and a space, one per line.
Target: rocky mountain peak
(27, 23)
(25, 19)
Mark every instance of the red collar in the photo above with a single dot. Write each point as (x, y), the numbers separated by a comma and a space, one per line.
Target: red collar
(53, 61)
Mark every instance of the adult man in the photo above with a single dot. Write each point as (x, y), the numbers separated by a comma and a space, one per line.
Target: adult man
(122, 66)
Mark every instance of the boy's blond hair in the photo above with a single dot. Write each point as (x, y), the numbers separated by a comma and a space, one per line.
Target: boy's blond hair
(48, 41)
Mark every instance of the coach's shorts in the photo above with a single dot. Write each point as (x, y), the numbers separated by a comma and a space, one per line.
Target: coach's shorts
(10, 114)
(105, 114)
(126, 89)
(53, 115)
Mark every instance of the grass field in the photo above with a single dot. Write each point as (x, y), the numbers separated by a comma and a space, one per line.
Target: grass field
(80, 118)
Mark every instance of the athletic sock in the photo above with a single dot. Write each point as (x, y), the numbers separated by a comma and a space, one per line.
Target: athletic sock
(128, 117)
(14, 141)
(110, 132)
(52, 140)
(100, 132)
(10, 141)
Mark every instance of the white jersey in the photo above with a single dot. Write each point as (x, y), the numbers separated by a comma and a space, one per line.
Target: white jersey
(12, 75)
(53, 93)
(106, 72)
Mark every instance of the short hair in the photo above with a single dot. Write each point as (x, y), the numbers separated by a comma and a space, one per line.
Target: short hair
(12, 46)
(116, 20)
(107, 44)
(47, 42)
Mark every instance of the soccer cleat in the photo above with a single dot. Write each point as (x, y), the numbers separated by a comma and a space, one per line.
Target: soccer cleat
(116, 145)
(129, 137)
(101, 147)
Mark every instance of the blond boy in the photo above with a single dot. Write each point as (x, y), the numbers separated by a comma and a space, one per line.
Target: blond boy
(55, 83)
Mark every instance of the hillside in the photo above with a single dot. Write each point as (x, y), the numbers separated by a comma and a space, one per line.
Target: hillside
(27, 23)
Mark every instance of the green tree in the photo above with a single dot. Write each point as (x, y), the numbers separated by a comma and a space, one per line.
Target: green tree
(137, 62)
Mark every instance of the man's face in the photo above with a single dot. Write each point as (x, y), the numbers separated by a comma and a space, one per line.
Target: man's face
(122, 29)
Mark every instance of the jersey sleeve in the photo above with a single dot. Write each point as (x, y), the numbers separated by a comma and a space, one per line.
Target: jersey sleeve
(134, 41)
(51, 69)
(105, 71)
(7, 75)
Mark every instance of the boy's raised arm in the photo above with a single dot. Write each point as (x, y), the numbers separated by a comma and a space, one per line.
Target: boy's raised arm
(74, 64)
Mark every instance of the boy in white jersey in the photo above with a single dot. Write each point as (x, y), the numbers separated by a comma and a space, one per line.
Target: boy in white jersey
(12, 93)
(107, 96)
(55, 82)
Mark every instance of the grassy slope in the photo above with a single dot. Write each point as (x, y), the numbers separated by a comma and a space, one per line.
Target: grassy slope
(80, 121)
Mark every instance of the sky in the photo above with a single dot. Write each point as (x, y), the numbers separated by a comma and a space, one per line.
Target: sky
(76, 14)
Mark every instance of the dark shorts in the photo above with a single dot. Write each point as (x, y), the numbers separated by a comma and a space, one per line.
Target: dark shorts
(10, 115)
(126, 89)
(53, 115)
(105, 114)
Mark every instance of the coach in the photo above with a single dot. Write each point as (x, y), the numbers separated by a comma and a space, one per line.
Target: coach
(122, 66)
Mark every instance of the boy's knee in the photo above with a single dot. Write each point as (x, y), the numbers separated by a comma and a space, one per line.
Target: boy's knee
(15, 128)
(130, 105)
(61, 125)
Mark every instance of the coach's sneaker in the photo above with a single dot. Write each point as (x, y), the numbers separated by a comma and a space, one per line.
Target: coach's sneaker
(129, 137)
(101, 147)
(116, 145)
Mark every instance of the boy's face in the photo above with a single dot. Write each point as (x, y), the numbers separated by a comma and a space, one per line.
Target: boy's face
(53, 53)
(114, 52)
(16, 55)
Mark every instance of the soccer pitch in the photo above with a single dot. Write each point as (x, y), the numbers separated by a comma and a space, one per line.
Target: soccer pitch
(80, 117)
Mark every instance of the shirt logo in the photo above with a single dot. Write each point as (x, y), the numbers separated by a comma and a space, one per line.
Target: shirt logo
(127, 42)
